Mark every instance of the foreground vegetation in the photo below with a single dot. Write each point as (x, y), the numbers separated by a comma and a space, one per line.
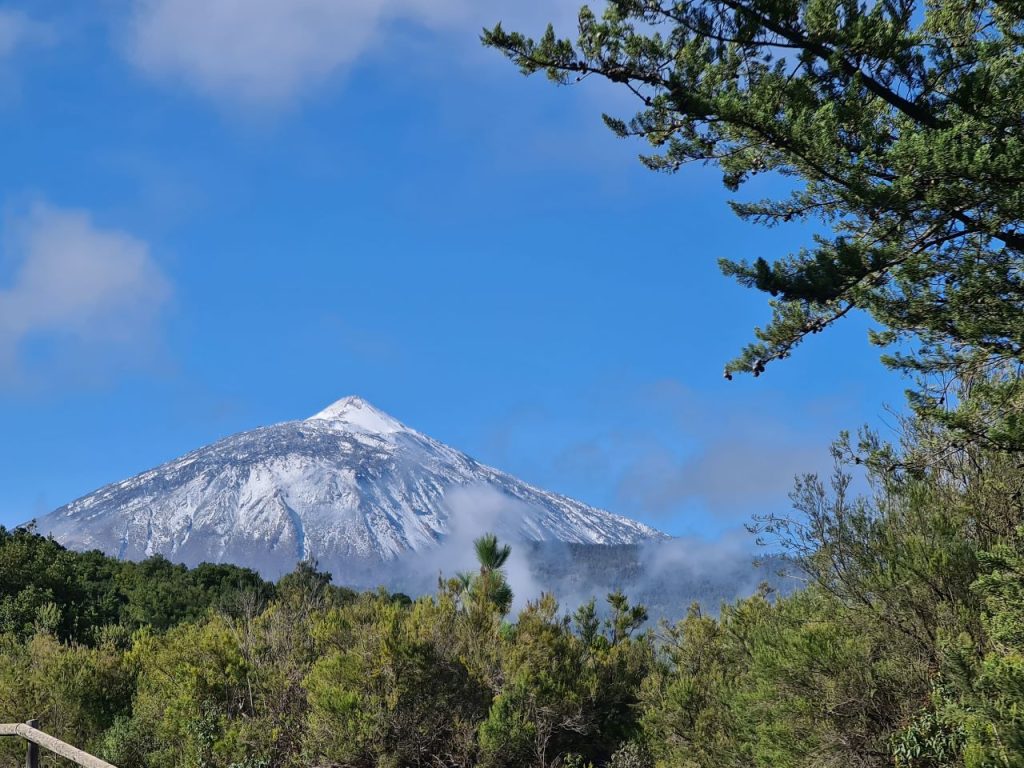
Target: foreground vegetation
(905, 648)
(897, 127)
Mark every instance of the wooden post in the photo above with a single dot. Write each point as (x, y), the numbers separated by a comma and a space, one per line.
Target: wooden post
(32, 753)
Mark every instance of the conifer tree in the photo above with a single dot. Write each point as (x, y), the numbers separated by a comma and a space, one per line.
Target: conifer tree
(488, 588)
(899, 124)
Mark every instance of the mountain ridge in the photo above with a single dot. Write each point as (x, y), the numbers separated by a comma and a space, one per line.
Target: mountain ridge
(351, 487)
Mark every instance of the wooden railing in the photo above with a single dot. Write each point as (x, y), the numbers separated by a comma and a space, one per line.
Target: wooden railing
(37, 738)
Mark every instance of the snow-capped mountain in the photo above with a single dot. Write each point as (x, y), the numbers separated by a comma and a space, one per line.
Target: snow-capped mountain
(350, 487)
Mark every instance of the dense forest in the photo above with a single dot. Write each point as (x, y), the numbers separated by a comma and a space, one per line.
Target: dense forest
(905, 647)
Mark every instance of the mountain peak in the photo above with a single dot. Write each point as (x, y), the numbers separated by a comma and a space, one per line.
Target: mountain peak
(350, 487)
(357, 414)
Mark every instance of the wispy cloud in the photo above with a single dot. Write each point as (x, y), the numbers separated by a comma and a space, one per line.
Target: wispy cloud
(680, 455)
(76, 292)
(667, 575)
(727, 475)
(267, 53)
(18, 30)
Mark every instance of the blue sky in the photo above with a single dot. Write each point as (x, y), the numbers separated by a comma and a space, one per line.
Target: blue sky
(218, 215)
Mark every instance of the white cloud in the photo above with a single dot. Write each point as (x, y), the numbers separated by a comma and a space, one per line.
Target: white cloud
(748, 469)
(76, 288)
(677, 452)
(264, 53)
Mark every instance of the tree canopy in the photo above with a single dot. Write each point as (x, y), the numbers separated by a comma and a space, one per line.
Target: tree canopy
(902, 650)
(900, 127)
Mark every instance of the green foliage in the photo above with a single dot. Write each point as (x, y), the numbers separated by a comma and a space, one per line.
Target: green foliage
(161, 594)
(193, 696)
(386, 692)
(688, 700)
(487, 592)
(201, 667)
(566, 693)
(898, 127)
(904, 648)
(78, 692)
(76, 595)
(978, 705)
(36, 572)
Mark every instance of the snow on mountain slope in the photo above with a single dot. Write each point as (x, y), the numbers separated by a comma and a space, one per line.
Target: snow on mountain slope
(350, 487)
